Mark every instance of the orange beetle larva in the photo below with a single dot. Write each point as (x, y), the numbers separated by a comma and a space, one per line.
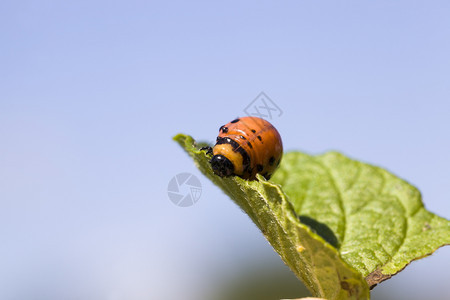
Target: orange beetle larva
(245, 147)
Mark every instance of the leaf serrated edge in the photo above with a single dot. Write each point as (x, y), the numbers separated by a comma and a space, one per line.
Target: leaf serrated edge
(377, 276)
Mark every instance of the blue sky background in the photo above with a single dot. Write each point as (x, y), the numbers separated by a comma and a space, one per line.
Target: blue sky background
(91, 93)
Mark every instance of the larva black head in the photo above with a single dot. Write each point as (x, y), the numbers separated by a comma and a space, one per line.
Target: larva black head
(221, 165)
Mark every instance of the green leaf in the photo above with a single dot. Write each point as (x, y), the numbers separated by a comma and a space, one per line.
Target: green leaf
(313, 260)
(378, 220)
(334, 220)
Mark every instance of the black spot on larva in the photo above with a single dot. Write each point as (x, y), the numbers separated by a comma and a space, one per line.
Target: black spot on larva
(224, 129)
(236, 148)
(259, 137)
(243, 137)
(249, 144)
(265, 175)
(235, 121)
(253, 130)
(225, 140)
(259, 168)
(249, 170)
(271, 160)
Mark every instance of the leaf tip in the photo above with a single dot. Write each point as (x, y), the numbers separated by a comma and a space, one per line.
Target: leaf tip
(180, 137)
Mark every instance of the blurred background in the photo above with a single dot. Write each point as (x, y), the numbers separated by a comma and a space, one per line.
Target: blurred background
(91, 93)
